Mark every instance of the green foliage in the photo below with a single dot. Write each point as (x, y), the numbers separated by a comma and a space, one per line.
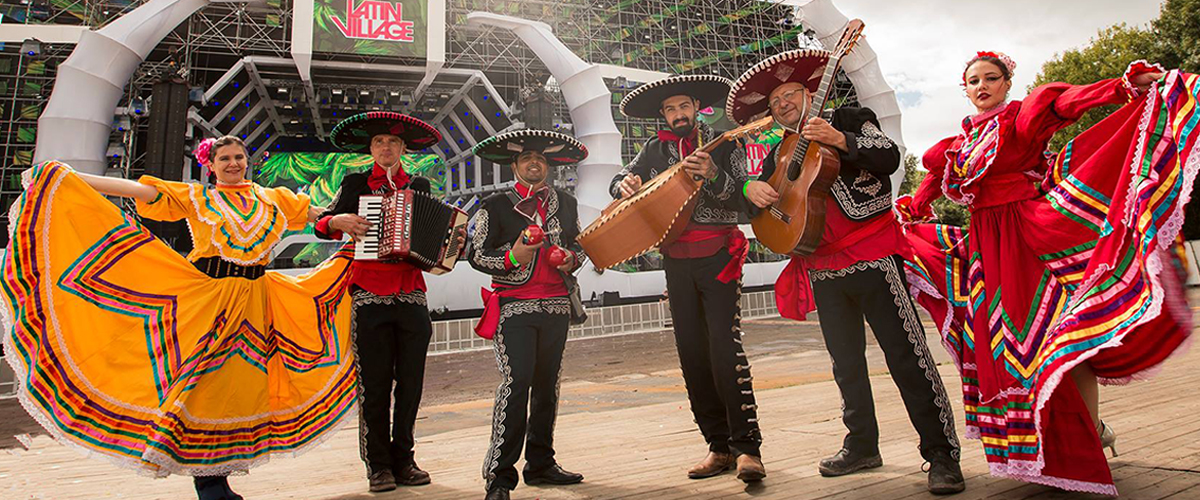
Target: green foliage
(1173, 40)
(947, 211)
(1106, 56)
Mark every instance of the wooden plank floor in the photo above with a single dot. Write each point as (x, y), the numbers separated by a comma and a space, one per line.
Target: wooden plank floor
(632, 436)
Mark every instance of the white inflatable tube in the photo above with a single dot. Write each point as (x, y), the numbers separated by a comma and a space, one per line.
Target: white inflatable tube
(588, 100)
(75, 126)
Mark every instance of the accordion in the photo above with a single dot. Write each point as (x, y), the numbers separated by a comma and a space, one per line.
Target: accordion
(413, 227)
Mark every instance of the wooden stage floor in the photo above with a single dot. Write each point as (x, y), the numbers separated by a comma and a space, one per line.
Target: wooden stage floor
(629, 431)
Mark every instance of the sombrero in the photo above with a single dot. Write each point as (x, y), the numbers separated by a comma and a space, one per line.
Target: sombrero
(354, 134)
(559, 149)
(646, 100)
(748, 98)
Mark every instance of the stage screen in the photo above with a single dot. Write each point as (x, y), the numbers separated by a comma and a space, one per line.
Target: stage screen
(370, 27)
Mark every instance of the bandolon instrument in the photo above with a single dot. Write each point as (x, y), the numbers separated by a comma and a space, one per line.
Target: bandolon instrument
(805, 171)
(413, 227)
(653, 216)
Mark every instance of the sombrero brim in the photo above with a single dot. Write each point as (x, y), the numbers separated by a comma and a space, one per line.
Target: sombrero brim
(748, 100)
(645, 101)
(559, 149)
(354, 134)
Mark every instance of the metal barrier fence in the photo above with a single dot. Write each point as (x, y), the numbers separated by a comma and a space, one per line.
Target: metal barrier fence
(459, 335)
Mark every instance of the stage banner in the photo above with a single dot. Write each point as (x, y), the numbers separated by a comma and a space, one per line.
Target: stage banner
(371, 27)
(320, 174)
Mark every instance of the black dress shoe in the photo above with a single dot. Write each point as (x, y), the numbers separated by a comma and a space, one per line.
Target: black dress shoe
(411, 475)
(552, 475)
(945, 475)
(214, 488)
(846, 462)
(497, 493)
(382, 480)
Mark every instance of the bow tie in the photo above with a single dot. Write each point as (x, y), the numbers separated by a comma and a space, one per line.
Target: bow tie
(528, 206)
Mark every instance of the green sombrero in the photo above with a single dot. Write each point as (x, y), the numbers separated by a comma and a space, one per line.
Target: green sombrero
(646, 100)
(354, 134)
(558, 148)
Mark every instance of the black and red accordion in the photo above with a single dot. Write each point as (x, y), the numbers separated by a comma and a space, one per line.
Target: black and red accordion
(413, 227)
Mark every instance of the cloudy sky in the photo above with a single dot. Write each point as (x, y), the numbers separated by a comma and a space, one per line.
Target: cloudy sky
(922, 46)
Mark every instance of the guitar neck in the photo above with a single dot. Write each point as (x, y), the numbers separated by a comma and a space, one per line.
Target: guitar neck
(818, 104)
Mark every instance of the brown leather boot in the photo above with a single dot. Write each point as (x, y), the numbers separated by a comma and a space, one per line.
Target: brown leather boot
(714, 463)
(750, 468)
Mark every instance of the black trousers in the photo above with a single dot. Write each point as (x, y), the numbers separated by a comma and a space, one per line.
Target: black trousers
(529, 347)
(878, 291)
(707, 317)
(391, 339)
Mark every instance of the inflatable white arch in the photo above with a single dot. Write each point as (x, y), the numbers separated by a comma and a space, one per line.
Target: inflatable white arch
(588, 100)
(77, 121)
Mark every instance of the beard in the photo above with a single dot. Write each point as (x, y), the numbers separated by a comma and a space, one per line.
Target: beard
(683, 128)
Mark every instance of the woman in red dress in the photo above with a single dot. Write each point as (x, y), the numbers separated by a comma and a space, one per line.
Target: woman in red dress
(1070, 265)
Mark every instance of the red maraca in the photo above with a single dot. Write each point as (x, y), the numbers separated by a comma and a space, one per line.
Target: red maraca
(532, 235)
(558, 256)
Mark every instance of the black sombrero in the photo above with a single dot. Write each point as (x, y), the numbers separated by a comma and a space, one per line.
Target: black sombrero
(748, 98)
(645, 101)
(354, 134)
(559, 149)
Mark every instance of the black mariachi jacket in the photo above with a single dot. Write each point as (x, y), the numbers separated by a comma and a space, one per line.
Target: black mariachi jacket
(497, 226)
(354, 186)
(863, 188)
(718, 202)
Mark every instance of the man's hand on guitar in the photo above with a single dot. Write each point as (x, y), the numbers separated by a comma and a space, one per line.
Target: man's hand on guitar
(700, 164)
(761, 194)
(817, 129)
(350, 224)
(629, 185)
(524, 252)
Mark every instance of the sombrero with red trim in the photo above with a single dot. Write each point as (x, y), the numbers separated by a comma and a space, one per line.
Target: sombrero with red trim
(558, 148)
(354, 134)
(748, 100)
(646, 100)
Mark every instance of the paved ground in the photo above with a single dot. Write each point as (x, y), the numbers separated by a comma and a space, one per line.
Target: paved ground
(625, 424)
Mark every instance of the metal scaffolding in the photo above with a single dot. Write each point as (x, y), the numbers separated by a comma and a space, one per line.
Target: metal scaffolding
(238, 58)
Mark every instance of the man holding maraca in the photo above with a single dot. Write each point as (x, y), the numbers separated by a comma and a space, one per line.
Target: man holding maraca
(525, 238)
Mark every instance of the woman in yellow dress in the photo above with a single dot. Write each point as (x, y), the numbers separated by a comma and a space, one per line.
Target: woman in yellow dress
(201, 367)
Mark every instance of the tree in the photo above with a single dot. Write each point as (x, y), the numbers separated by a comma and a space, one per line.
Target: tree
(1173, 40)
(947, 211)
(1106, 56)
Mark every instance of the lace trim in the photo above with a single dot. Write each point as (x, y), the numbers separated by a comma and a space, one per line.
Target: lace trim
(859, 211)
(872, 137)
(275, 228)
(363, 297)
(553, 305)
(481, 234)
(491, 461)
(916, 337)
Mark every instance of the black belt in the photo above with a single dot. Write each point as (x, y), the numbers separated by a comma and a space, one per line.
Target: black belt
(216, 267)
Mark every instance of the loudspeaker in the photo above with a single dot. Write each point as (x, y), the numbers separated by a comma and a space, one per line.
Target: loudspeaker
(539, 112)
(165, 142)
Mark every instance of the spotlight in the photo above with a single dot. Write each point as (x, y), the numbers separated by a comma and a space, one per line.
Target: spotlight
(137, 106)
(31, 47)
(122, 123)
(115, 150)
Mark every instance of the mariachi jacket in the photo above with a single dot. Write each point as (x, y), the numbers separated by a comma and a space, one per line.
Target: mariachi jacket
(718, 201)
(497, 225)
(863, 188)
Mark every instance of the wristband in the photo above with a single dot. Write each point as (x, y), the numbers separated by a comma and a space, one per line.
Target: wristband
(746, 189)
(513, 258)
